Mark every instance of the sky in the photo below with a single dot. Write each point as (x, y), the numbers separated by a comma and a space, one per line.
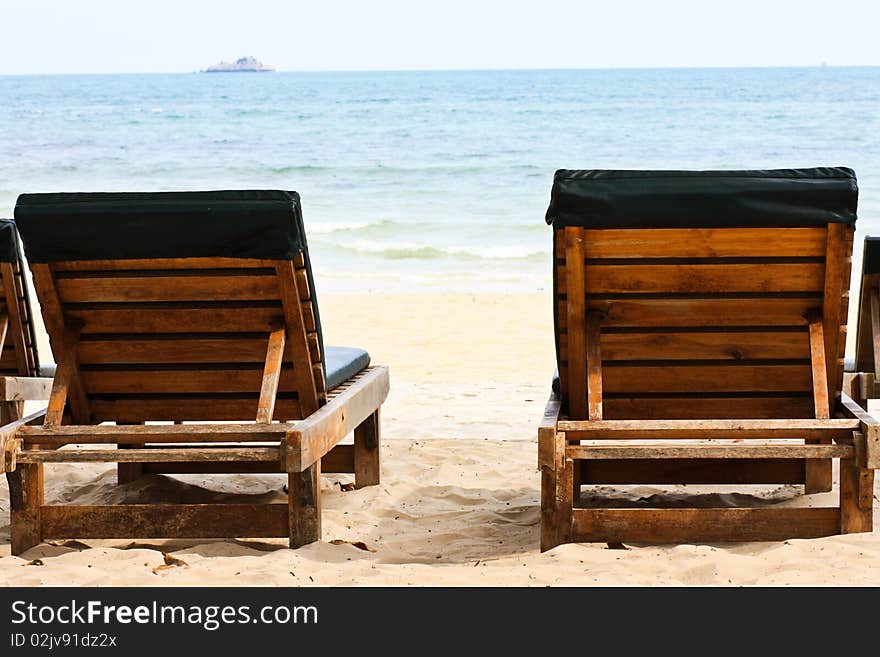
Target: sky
(127, 36)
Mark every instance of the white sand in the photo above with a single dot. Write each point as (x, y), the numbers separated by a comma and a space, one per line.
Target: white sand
(458, 503)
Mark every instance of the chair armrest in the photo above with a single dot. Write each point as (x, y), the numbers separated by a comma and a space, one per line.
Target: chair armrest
(9, 444)
(869, 427)
(25, 388)
(348, 406)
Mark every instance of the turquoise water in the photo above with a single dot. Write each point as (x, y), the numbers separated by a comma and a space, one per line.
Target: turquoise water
(432, 180)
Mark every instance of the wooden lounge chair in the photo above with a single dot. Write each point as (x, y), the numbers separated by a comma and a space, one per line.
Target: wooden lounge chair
(19, 366)
(700, 328)
(865, 382)
(195, 310)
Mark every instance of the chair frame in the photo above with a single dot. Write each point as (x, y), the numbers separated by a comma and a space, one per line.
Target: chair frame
(302, 449)
(840, 429)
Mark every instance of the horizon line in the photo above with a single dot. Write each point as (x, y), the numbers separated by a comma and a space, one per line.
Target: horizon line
(467, 70)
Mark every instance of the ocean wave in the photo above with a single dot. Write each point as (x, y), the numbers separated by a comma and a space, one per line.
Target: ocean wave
(330, 227)
(414, 251)
(301, 168)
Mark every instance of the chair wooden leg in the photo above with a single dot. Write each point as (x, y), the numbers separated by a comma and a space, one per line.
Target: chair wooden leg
(26, 498)
(557, 491)
(856, 497)
(566, 500)
(366, 452)
(549, 539)
(304, 505)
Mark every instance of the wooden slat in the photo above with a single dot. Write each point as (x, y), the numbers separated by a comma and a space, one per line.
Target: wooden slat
(702, 525)
(820, 373)
(164, 521)
(837, 269)
(169, 454)
(159, 318)
(818, 474)
(177, 381)
(704, 311)
(173, 349)
(594, 366)
(705, 243)
(709, 378)
(339, 460)
(179, 433)
(705, 451)
(706, 429)
(704, 345)
(702, 471)
(271, 374)
(168, 288)
(171, 408)
(576, 354)
(161, 263)
(701, 278)
(302, 285)
(723, 407)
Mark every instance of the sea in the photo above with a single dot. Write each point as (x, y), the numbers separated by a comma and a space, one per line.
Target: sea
(429, 181)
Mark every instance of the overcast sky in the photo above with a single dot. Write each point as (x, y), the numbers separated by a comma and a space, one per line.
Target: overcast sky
(111, 36)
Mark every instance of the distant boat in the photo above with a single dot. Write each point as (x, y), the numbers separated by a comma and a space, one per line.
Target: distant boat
(241, 65)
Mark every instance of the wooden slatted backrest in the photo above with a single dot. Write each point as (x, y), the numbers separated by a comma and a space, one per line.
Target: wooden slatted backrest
(868, 326)
(668, 307)
(18, 356)
(176, 338)
(700, 323)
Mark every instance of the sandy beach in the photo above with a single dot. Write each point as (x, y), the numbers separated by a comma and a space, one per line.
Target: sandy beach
(459, 498)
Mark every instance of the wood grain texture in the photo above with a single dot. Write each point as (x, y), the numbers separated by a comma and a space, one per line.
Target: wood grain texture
(366, 451)
(706, 429)
(271, 373)
(818, 474)
(297, 348)
(304, 505)
(702, 525)
(709, 451)
(705, 243)
(701, 278)
(165, 521)
(594, 366)
(835, 295)
(576, 353)
(316, 435)
(658, 471)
